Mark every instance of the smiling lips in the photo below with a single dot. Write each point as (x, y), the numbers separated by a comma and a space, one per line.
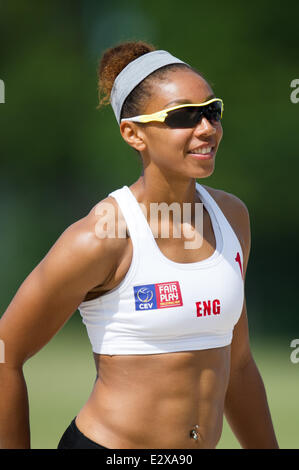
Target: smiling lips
(202, 151)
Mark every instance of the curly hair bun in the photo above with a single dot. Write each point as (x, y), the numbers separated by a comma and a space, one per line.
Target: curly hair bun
(113, 61)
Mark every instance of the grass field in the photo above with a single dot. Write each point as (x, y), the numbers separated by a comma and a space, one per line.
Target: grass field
(60, 378)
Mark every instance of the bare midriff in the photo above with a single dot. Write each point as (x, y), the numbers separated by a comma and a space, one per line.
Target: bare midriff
(160, 401)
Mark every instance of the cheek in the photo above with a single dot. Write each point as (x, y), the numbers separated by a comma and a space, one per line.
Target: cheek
(170, 140)
(178, 138)
(219, 132)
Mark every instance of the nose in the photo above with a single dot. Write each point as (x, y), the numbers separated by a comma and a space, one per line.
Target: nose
(204, 127)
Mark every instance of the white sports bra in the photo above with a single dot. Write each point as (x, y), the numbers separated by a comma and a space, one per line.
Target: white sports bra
(163, 306)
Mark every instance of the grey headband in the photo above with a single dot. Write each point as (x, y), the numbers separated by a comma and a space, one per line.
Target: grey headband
(134, 73)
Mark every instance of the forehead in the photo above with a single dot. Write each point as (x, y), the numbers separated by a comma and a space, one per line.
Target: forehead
(177, 87)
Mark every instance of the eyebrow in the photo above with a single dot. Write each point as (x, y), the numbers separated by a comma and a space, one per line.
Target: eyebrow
(186, 101)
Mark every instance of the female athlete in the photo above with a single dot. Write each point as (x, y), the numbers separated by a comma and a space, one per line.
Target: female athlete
(165, 314)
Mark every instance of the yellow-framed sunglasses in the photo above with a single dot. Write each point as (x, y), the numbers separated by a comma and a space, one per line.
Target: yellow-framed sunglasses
(184, 115)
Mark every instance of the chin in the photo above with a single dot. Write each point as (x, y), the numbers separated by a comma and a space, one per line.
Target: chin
(204, 172)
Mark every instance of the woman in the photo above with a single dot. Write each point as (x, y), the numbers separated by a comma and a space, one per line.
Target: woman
(167, 321)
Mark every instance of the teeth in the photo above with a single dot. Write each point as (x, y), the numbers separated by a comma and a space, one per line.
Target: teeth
(203, 150)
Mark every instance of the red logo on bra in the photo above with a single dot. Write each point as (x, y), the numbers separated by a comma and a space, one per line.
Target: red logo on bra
(238, 259)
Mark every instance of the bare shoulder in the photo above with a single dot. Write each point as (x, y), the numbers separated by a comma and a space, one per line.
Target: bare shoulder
(229, 202)
(236, 212)
(101, 232)
(88, 248)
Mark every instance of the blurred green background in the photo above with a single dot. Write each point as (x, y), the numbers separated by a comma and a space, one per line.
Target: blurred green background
(59, 155)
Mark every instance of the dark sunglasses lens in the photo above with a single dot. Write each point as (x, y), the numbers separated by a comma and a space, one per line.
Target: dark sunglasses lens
(213, 111)
(189, 117)
(184, 117)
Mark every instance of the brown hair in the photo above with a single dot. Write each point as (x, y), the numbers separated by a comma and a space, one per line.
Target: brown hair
(113, 61)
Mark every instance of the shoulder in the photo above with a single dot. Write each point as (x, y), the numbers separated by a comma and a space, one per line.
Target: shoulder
(102, 229)
(237, 214)
(89, 246)
(230, 204)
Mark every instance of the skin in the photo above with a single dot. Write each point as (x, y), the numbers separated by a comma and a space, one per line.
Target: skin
(141, 401)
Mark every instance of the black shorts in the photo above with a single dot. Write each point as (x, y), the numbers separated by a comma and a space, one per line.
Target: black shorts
(73, 438)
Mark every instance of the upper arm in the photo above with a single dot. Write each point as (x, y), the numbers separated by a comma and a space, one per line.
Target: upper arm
(240, 347)
(51, 293)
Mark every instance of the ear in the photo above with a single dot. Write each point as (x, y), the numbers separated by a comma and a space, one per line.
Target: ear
(133, 135)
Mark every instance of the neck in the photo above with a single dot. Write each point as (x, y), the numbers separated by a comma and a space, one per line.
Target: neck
(165, 188)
